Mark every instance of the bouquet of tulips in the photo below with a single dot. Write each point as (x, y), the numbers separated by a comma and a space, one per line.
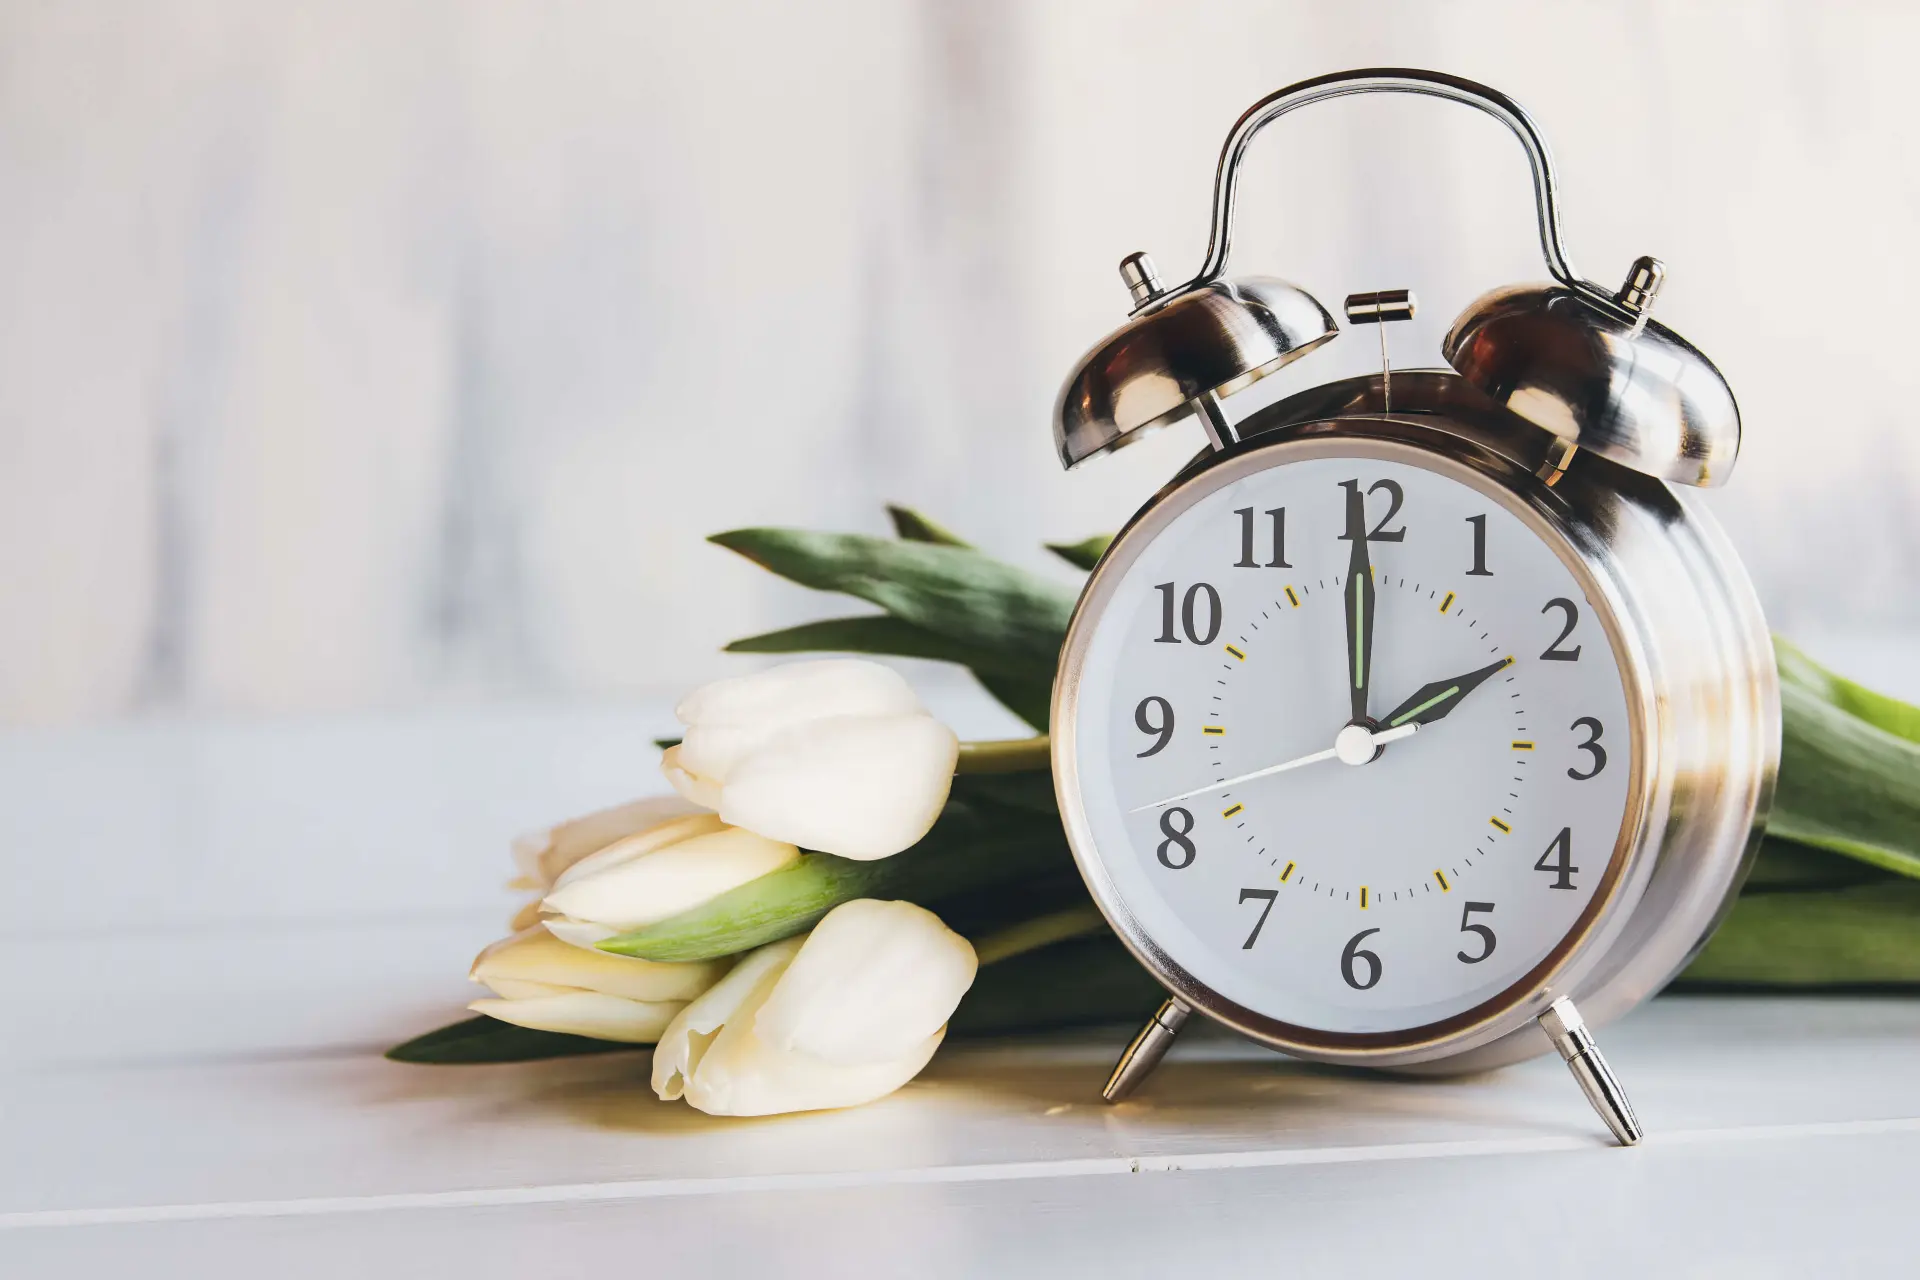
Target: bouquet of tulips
(839, 883)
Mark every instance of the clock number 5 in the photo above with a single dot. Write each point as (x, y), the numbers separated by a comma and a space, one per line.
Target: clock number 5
(1485, 932)
(1261, 923)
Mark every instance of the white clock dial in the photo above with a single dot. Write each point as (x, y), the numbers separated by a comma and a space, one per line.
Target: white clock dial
(1415, 868)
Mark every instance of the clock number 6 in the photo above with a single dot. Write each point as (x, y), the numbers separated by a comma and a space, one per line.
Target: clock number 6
(1261, 923)
(1354, 952)
(1485, 932)
(1176, 839)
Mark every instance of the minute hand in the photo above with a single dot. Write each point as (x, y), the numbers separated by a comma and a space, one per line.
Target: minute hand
(1378, 740)
(1435, 700)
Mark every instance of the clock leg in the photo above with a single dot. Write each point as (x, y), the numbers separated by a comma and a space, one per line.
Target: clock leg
(1143, 1055)
(1568, 1031)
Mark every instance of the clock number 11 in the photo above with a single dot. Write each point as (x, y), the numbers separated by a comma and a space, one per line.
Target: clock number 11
(1278, 517)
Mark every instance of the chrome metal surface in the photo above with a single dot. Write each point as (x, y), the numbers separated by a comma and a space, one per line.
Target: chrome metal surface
(1625, 387)
(1139, 1058)
(1644, 278)
(1433, 84)
(1211, 342)
(1382, 307)
(1569, 1034)
(1138, 274)
(1691, 643)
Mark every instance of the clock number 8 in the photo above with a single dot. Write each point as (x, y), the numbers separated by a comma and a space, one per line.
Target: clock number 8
(1176, 845)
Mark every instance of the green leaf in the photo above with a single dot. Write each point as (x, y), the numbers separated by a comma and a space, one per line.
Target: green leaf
(914, 527)
(879, 633)
(1864, 935)
(1901, 719)
(1845, 784)
(1084, 982)
(1030, 699)
(665, 743)
(977, 843)
(953, 591)
(482, 1039)
(1085, 553)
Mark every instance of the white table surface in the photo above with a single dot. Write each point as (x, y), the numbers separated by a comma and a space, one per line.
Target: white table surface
(222, 925)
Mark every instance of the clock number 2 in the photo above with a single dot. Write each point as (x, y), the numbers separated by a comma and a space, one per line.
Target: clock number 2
(1554, 653)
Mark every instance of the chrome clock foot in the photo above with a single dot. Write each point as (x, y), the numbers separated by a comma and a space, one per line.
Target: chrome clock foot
(1568, 1031)
(1143, 1055)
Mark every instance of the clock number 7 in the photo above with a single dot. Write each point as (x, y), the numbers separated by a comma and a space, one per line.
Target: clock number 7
(1261, 923)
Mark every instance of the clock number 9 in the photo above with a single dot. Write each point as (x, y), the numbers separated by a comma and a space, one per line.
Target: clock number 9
(1176, 845)
(1354, 952)
(1164, 729)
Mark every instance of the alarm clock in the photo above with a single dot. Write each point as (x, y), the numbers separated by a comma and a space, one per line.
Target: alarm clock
(1425, 711)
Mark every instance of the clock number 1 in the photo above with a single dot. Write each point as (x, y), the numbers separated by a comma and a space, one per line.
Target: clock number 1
(1479, 569)
(1278, 516)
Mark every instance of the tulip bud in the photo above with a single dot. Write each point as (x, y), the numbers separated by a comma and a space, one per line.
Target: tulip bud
(837, 756)
(547, 985)
(655, 874)
(843, 1016)
(541, 856)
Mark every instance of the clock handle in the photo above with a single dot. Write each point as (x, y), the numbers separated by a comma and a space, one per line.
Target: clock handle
(1138, 1059)
(1433, 84)
(1568, 1031)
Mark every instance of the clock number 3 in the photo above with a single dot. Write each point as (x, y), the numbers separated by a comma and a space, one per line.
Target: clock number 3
(1595, 752)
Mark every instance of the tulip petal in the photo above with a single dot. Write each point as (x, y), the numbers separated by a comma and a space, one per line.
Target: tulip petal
(578, 933)
(872, 982)
(586, 1013)
(729, 719)
(860, 787)
(520, 989)
(665, 882)
(641, 843)
(536, 958)
(684, 1043)
(542, 855)
(697, 790)
(741, 1075)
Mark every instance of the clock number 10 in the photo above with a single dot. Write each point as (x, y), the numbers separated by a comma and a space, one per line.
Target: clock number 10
(1201, 604)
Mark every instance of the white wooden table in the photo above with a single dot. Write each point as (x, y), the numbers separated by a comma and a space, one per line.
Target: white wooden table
(213, 929)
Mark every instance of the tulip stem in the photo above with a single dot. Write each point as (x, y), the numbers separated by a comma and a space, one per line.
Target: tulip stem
(1007, 755)
(1041, 931)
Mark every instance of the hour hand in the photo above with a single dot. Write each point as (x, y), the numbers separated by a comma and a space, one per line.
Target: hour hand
(1434, 700)
(1359, 608)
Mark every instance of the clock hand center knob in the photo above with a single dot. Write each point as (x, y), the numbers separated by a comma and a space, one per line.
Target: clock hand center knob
(1355, 745)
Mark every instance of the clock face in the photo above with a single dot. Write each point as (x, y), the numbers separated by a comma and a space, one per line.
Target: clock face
(1358, 786)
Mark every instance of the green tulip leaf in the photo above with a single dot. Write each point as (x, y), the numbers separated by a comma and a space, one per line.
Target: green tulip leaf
(956, 592)
(479, 1040)
(1845, 784)
(914, 527)
(1085, 553)
(1862, 936)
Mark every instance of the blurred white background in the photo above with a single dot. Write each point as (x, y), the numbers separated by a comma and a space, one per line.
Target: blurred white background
(364, 355)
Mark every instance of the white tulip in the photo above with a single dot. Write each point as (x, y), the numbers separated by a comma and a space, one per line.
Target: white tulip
(660, 872)
(542, 856)
(845, 1015)
(837, 756)
(547, 985)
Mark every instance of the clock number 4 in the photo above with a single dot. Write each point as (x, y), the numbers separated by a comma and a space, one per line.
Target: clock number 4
(1278, 517)
(1247, 895)
(1199, 594)
(1557, 861)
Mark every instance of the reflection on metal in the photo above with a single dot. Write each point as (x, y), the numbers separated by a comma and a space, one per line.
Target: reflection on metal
(1563, 1025)
(1138, 1059)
